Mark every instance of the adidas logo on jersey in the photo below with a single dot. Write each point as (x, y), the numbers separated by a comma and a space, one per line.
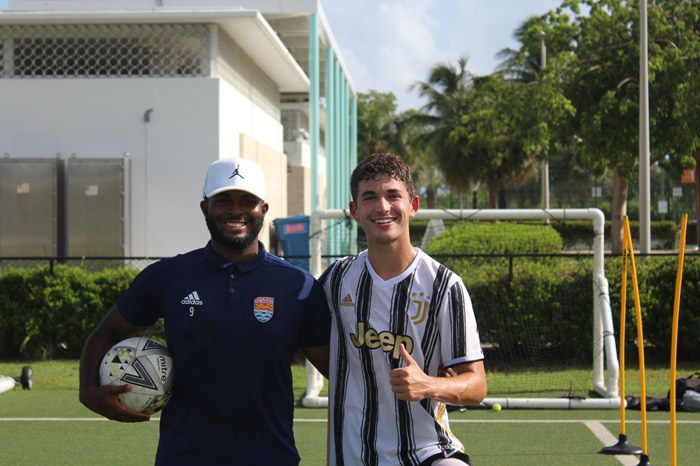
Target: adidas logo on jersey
(192, 298)
(347, 301)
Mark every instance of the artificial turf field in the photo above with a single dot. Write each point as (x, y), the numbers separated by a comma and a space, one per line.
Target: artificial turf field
(48, 426)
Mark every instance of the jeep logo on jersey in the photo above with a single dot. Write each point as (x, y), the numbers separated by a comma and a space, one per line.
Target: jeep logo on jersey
(387, 341)
(263, 308)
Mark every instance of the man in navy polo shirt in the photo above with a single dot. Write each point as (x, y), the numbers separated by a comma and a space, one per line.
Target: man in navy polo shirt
(234, 316)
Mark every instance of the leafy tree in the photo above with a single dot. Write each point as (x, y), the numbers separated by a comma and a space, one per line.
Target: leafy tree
(381, 129)
(376, 123)
(599, 68)
(487, 135)
(507, 129)
(679, 39)
(487, 129)
(526, 66)
(564, 168)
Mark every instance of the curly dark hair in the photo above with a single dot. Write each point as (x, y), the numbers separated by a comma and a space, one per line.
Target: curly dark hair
(380, 164)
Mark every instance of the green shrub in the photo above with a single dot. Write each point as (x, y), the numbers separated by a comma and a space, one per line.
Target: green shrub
(577, 232)
(47, 315)
(531, 310)
(656, 278)
(540, 316)
(497, 238)
(547, 306)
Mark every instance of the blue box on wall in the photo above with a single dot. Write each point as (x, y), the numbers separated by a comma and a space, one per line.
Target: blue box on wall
(293, 233)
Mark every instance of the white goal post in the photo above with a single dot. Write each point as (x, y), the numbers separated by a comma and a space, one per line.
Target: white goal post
(604, 349)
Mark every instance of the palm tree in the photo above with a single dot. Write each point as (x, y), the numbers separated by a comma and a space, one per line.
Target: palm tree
(524, 65)
(420, 155)
(446, 91)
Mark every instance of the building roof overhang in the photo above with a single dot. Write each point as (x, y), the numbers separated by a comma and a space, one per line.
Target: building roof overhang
(248, 28)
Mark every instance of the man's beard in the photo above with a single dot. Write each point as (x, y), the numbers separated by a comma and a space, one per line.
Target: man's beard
(235, 243)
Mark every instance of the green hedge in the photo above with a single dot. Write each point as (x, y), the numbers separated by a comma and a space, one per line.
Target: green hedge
(576, 232)
(540, 315)
(45, 315)
(657, 282)
(497, 238)
(544, 307)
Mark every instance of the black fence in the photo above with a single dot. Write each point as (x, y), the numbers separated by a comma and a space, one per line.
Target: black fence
(87, 263)
(533, 308)
(139, 263)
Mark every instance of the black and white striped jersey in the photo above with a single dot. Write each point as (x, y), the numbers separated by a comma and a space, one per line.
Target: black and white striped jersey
(428, 310)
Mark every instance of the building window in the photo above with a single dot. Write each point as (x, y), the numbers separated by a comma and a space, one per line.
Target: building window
(105, 50)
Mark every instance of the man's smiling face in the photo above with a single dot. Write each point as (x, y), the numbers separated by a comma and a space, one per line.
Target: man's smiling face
(234, 219)
(383, 208)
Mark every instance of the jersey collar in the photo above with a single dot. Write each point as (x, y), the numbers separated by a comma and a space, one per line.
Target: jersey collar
(240, 267)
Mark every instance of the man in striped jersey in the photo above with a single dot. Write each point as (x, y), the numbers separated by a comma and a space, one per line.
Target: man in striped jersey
(399, 319)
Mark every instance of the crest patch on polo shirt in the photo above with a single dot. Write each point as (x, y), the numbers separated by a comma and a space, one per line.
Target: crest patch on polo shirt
(263, 308)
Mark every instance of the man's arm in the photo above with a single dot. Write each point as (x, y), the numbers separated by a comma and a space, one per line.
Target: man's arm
(466, 388)
(103, 399)
(318, 355)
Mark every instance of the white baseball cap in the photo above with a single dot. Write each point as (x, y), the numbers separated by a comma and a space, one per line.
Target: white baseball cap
(235, 174)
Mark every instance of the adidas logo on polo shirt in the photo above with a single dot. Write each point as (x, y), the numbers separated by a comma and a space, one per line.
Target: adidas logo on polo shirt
(192, 298)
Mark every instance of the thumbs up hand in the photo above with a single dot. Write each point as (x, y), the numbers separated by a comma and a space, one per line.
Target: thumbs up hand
(410, 383)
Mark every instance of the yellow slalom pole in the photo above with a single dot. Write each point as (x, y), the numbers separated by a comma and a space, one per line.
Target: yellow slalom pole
(622, 447)
(640, 340)
(623, 312)
(674, 336)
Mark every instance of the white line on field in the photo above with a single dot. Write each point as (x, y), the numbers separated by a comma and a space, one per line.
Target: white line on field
(57, 419)
(607, 439)
(452, 421)
(560, 421)
(91, 419)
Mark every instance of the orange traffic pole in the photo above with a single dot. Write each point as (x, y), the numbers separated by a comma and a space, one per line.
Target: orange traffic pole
(674, 336)
(622, 447)
(640, 340)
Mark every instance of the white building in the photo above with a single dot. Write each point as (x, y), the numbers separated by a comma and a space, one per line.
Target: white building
(113, 109)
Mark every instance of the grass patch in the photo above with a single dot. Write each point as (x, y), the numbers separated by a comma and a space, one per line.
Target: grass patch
(63, 375)
(54, 428)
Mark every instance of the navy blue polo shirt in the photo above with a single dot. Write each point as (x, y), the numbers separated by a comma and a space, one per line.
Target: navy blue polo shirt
(233, 330)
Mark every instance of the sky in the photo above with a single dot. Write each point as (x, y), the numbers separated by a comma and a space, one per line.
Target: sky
(388, 45)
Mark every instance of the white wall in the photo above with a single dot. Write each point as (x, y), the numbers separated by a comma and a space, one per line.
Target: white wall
(249, 101)
(238, 114)
(105, 118)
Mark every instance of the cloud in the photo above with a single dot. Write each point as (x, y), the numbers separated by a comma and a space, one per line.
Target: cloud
(485, 27)
(408, 43)
(388, 45)
(390, 48)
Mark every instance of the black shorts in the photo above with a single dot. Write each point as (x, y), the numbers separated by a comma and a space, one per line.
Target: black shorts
(459, 455)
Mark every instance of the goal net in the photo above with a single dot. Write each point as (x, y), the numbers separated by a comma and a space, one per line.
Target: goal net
(523, 346)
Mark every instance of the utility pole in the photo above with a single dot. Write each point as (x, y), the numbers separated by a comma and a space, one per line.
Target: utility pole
(544, 169)
(644, 144)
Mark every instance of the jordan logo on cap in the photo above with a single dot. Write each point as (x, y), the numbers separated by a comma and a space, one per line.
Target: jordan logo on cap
(235, 172)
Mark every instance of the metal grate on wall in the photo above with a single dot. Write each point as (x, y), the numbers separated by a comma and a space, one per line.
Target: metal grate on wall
(105, 50)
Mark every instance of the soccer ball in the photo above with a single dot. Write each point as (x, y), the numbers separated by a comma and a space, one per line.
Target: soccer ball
(145, 364)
